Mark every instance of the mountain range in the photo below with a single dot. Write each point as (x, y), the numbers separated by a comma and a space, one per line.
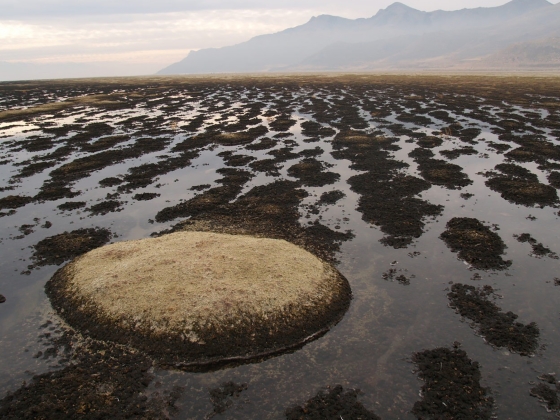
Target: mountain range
(520, 34)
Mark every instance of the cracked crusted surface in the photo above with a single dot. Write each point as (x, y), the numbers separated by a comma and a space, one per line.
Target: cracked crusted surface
(199, 296)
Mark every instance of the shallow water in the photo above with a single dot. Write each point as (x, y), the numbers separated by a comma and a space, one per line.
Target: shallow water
(371, 347)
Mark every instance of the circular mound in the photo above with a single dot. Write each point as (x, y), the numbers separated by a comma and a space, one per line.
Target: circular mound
(195, 299)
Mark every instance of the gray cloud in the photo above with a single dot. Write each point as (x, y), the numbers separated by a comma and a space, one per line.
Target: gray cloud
(33, 9)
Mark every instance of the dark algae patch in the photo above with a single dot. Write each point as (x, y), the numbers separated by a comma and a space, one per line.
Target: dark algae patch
(439, 172)
(387, 197)
(311, 172)
(538, 249)
(475, 243)
(331, 197)
(105, 207)
(548, 391)
(332, 404)
(498, 328)
(451, 389)
(223, 397)
(103, 382)
(145, 196)
(520, 186)
(14, 201)
(71, 205)
(57, 249)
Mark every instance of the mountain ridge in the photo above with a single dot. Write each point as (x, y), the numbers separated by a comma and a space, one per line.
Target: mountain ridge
(394, 27)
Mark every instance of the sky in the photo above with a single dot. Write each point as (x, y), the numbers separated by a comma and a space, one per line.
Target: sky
(76, 38)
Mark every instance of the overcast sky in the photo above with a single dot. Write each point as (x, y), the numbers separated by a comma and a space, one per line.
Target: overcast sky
(142, 36)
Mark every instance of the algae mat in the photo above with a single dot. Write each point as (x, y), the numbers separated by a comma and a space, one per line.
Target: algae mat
(196, 299)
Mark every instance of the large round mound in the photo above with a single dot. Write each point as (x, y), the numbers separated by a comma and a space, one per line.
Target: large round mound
(195, 299)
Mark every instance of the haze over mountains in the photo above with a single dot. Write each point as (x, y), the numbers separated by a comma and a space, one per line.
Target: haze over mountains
(522, 34)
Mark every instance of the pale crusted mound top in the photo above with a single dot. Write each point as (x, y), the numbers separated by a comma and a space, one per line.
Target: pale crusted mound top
(188, 277)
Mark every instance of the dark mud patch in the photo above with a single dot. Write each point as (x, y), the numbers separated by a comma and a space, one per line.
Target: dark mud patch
(451, 387)
(269, 211)
(538, 249)
(110, 182)
(313, 173)
(533, 149)
(201, 187)
(498, 147)
(332, 404)
(429, 142)
(231, 159)
(439, 172)
(498, 328)
(103, 382)
(104, 143)
(145, 196)
(33, 168)
(57, 249)
(72, 205)
(520, 186)
(52, 191)
(455, 153)
(475, 243)
(14, 201)
(224, 397)
(232, 184)
(399, 275)
(282, 123)
(331, 197)
(548, 391)
(387, 197)
(143, 175)
(313, 129)
(554, 179)
(105, 207)
(263, 144)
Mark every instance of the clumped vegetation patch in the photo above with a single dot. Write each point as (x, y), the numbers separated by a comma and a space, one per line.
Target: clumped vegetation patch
(332, 403)
(104, 381)
(475, 243)
(520, 186)
(387, 197)
(452, 388)
(498, 328)
(57, 249)
(223, 299)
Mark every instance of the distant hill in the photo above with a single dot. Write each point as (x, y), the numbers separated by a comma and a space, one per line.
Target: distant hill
(542, 53)
(396, 37)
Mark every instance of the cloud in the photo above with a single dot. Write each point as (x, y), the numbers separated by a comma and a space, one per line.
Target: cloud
(40, 9)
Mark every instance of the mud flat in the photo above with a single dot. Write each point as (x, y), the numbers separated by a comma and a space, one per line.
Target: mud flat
(197, 299)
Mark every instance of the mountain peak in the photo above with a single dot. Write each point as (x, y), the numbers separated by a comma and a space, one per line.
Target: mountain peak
(398, 6)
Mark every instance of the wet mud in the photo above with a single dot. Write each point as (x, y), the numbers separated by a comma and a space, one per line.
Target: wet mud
(333, 403)
(496, 327)
(475, 244)
(57, 249)
(452, 388)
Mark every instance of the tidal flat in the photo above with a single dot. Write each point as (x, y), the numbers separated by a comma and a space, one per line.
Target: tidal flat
(435, 196)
